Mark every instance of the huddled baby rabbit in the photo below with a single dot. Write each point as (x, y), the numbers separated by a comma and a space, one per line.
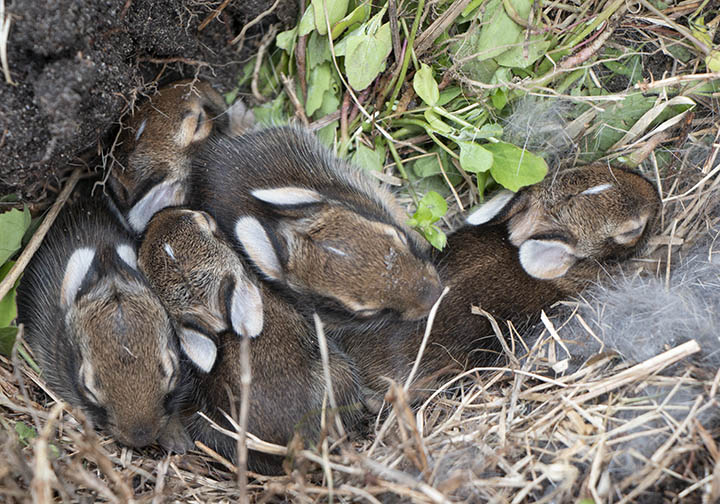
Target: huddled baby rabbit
(517, 254)
(298, 231)
(100, 334)
(195, 271)
(157, 144)
(314, 225)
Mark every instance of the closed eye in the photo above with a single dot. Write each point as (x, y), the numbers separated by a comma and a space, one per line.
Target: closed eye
(401, 237)
(202, 117)
(629, 237)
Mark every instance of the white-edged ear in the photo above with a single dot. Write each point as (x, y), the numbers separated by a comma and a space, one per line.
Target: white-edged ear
(241, 118)
(199, 348)
(161, 196)
(246, 309)
(546, 259)
(288, 196)
(77, 268)
(127, 254)
(491, 208)
(252, 236)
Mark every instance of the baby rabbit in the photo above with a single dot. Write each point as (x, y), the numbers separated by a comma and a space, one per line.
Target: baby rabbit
(200, 280)
(315, 226)
(102, 338)
(518, 253)
(287, 388)
(158, 142)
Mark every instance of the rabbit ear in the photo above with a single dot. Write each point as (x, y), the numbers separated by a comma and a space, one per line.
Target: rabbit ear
(503, 205)
(160, 196)
(76, 271)
(258, 247)
(288, 196)
(127, 254)
(546, 258)
(243, 306)
(241, 118)
(200, 349)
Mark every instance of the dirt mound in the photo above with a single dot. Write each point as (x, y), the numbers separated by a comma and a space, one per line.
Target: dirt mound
(79, 64)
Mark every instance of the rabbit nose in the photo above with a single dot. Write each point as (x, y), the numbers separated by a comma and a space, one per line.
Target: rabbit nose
(141, 436)
(429, 294)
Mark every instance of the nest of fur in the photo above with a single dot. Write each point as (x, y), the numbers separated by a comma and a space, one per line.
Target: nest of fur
(612, 398)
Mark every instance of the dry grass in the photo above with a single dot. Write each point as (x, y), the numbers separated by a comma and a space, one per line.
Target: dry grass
(526, 430)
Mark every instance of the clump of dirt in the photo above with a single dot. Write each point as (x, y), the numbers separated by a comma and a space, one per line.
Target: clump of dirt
(80, 64)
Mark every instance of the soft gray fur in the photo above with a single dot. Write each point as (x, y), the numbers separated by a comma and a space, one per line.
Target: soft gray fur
(640, 317)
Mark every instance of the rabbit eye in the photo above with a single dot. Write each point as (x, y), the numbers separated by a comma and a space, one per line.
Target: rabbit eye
(629, 237)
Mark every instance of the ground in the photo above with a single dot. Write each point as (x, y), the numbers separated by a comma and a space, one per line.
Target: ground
(77, 66)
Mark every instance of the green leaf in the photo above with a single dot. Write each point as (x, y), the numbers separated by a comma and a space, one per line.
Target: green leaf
(524, 54)
(318, 51)
(712, 61)
(433, 164)
(436, 237)
(318, 83)
(8, 308)
(436, 204)
(7, 340)
(425, 86)
(436, 123)
(369, 159)
(489, 130)
(336, 9)
(366, 52)
(307, 22)
(474, 158)
(272, 113)
(448, 94)
(25, 432)
(499, 98)
(327, 134)
(286, 39)
(13, 224)
(430, 208)
(359, 15)
(514, 167)
(499, 31)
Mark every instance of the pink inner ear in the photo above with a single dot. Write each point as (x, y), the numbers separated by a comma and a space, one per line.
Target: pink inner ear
(546, 259)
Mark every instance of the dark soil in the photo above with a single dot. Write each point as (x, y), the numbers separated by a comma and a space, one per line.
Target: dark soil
(80, 65)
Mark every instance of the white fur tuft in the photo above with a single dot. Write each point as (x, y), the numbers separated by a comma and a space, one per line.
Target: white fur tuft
(75, 272)
(287, 196)
(255, 241)
(199, 348)
(127, 254)
(597, 189)
(161, 196)
(246, 310)
(491, 208)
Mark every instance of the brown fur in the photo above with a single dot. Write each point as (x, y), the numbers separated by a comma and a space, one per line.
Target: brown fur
(112, 349)
(481, 266)
(287, 381)
(342, 251)
(192, 270)
(158, 142)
